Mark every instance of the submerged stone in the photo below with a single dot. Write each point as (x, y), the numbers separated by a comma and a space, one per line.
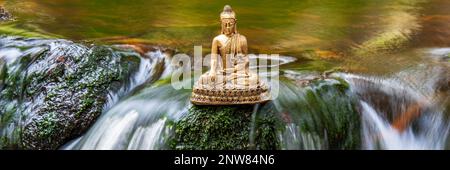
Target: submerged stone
(321, 115)
(55, 89)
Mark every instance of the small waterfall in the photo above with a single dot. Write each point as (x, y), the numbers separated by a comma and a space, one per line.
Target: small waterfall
(138, 122)
(148, 68)
(378, 133)
(294, 139)
(118, 128)
(314, 114)
(253, 126)
(404, 111)
(144, 137)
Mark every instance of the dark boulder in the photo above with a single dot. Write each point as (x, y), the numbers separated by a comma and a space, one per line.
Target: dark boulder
(53, 90)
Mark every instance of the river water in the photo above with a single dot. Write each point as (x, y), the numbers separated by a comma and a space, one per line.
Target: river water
(393, 54)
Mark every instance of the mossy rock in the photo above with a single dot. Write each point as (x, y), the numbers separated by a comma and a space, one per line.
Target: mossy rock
(323, 114)
(335, 116)
(225, 127)
(56, 89)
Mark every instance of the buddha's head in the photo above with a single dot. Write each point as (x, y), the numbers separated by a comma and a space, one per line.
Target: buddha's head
(228, 20)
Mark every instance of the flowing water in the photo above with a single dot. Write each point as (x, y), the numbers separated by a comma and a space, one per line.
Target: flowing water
(393, 54)
(408, 110)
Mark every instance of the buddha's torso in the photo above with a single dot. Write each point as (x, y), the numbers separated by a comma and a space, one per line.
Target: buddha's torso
(222, 39)
(234, 48)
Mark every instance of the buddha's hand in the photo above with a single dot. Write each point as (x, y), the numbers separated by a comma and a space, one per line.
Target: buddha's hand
(212, 76)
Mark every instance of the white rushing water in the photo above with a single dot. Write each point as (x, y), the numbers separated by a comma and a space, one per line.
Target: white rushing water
(385, 102)
(147, 68)
(379, 133)
(138, 122)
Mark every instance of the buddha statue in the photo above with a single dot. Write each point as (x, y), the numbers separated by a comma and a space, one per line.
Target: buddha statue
(230, 80)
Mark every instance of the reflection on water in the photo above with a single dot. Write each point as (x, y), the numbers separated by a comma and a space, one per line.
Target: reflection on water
(356, 33)
(271, 26)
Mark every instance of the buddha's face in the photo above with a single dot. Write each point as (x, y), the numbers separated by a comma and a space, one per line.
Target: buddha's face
(228, 26)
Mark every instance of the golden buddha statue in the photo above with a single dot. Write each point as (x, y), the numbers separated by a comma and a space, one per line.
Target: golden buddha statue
(230, 81)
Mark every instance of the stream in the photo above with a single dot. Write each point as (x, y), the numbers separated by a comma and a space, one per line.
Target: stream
(392, 55)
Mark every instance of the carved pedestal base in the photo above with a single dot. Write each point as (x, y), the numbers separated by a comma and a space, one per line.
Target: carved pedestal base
(228, 94)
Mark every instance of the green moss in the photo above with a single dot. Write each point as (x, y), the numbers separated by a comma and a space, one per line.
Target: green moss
(87, 103)
(48, 125)
(342, 86)
(324, 113)
(335, 116)
(224, 127)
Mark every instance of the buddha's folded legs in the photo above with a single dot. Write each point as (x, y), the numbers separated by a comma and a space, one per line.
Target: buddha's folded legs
(230, 81)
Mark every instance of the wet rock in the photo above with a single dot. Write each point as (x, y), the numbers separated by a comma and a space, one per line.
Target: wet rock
(55, 89)
(225, 127)
(320, 115)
